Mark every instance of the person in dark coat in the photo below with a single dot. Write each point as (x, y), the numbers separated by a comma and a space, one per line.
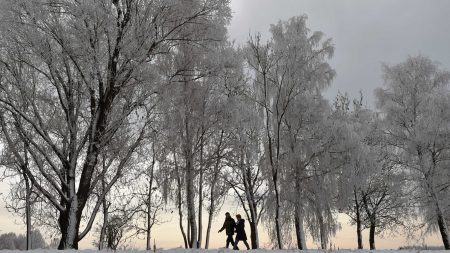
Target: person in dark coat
(240, 232)
(229, 226)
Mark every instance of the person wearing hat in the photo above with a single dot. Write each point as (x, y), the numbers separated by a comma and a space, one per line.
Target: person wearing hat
(229, 226)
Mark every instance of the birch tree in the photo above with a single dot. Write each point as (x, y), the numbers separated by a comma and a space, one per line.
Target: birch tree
(415, 106)
(361, 159)
(246, 158)
(291, 65)
(384, 203)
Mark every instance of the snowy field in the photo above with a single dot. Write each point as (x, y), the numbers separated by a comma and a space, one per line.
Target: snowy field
(231, 251)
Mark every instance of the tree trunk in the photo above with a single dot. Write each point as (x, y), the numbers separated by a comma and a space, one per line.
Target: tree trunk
(210, 217)
(189, 159)
(188, 226)
(191, 210)
(149, 220)
(200, 205)
(105, 224)
(299, 230)
(298, 219)
(252, 205)
(180, 214)
(274, 164)
(69, 219)
(277, 212)
(180, 203)
(323, 237)
(372, 233)
(200, 196)
(28, 210)
(358, 221)
(212, 207)
(69, 223)
(149, 200)
(254, 235)
(105, 208)
(359, 231)
(443, 228)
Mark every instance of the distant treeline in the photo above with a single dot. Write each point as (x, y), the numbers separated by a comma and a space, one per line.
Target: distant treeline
(14, 241)
(421, 247)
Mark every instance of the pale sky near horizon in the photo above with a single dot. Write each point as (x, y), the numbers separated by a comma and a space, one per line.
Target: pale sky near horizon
(365, 33)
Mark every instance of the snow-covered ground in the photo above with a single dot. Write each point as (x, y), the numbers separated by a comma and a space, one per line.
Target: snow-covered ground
(179, 250)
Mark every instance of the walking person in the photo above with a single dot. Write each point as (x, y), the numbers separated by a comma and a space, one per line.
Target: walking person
(229, 225)
(240, 232)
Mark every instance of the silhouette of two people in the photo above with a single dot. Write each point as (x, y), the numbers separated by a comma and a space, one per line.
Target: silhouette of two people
(230, 227)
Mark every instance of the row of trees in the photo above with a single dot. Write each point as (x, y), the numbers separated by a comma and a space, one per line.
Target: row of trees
(12, 241)
(126, 108)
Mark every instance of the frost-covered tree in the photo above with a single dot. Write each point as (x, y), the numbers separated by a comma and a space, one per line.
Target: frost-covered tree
(384, 203)
(246, 157)
(290, 67)
(74, 74)
(215, 189)
(325, 149)
(21, 196)
(361, 160)
(115, 231)
(373, 191)
(415, 128)
(195, 119)
(192, 100)
(151, 202)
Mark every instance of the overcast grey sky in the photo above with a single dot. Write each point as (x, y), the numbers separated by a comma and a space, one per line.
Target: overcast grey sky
(365, 33)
